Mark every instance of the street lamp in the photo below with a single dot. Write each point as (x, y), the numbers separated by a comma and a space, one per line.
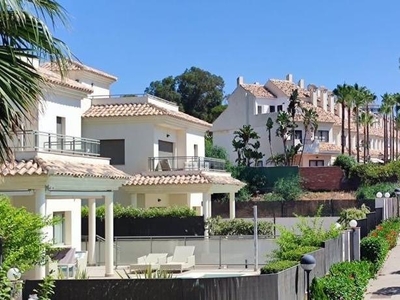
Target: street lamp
(353, 224)
(13, 274)
(307, 262)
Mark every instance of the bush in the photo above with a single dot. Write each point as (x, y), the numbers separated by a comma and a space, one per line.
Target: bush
(307, 232)
(218, 226)
(277, 266)
(374, 250)
(370, 174)
(132, 212)
(289, 188)
(345, 281)
(296, 254)
(346, 215)
(345, 162)
(366, 192)
(388, 230)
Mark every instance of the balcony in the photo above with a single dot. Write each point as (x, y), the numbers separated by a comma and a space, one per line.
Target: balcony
(38, 141)
(186, 163)
(310, 147)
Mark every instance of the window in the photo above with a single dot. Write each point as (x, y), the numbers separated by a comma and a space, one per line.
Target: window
(196, 150)
(322, 135)
(272, 109)
(259, 110)
(298, 135)
(280, 108)
(165, 148)
(59, 228)
(316, 163)
(114, 149)
(60, 130)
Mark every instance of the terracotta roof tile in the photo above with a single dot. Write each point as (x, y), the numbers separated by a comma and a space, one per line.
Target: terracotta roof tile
(258, 90)
(137, 110)
(288, 87)
(38, 166)
(77, 66)
(55, 78)
(182, 178)
(327, 147)
(323, 116)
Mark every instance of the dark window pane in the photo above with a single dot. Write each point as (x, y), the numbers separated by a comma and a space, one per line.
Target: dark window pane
(114, 149)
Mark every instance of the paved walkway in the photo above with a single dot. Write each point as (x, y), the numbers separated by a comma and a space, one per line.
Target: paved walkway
(387, 284)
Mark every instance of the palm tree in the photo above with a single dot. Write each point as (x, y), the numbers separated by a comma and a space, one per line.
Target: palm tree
(397, 127)
(366, 120)
(25, 37)
(358, 101)
(310, 121)
(270, 125)
(284, 126)
(294, 102)
(342, 93)
(369, 98)
(385, 109)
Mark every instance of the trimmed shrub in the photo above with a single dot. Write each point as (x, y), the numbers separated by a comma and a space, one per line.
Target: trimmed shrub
(388, 230)
(345, 281)
(277, 266)
(132, 212)
(345, 162)
(218, 226)
(374, 250)
(370, 173)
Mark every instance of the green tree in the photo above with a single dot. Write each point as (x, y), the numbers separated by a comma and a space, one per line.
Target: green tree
(366, 120)
(294, 103)
(166, 89)
(196, 91)
(359, 100)
(25, 37)
(385, 109)
(343, 94)
(284, 127)
(23, 241)
(246, 144)
(310, 122)
(270, 125)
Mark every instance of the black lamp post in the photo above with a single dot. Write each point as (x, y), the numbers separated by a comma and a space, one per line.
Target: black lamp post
(308, 262)
(397, 192)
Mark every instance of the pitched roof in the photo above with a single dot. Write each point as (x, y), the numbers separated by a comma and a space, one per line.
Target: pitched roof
(323, 116)
(39, 166)
(327, 147)
(257, 90)
(138, 110)
(77, 66)
(182, 178)
(55, 78)
(288, 87)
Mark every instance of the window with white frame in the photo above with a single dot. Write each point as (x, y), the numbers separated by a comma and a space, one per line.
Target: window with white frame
(271, 108)
(259, 110)
(322, 135)
(59, 228)
(114, 149)
(280, 107)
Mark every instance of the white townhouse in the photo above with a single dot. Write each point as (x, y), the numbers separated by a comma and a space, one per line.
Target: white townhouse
(83, 143)
(252, 104)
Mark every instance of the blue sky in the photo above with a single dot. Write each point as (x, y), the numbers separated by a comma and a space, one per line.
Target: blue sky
(324, 42)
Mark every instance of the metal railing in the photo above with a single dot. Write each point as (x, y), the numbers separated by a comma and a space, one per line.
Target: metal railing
(100, 242)
(33, 140)
(133, 95)
(221, 251)
(186, 163)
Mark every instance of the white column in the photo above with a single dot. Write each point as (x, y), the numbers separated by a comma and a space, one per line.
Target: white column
(134, 200)
(209, 207)
(92, 232)
(40, 209)
(205, 211)
(109, 234)
(232, 212)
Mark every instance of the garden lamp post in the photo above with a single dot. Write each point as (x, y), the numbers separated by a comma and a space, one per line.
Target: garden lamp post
(13, 274)
(355, 239)
(397, 192)
(307, 262)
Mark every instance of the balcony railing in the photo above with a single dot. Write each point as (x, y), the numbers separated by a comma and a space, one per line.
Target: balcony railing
(186, 163)
(33, 140)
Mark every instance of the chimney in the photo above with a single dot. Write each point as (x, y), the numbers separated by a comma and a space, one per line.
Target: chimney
(240, 80)
(257, 83)
(289, 77)
(301, 83)
(314, 98)
(332, 103)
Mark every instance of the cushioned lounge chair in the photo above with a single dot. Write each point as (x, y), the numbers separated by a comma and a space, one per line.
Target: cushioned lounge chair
(183, 259)
(152, 260)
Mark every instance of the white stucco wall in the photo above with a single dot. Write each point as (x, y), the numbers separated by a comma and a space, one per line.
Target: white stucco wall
(60, 105)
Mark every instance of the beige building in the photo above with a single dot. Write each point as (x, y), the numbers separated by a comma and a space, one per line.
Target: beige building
(252, 104)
